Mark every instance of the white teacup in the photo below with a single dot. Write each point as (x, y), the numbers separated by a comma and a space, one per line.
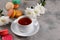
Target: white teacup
(25, 28)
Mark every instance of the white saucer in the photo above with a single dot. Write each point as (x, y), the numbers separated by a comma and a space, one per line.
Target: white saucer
(22, 32)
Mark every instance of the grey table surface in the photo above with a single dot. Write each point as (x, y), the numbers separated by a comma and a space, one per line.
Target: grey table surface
(49, 22)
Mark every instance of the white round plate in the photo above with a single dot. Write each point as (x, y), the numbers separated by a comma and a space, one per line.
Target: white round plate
(22, 32)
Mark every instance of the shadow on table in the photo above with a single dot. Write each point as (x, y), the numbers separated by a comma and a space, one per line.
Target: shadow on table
(23, 38)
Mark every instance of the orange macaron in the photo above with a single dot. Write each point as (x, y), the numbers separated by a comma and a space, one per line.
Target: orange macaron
(10, 12)
(18, 13)
(16, 6)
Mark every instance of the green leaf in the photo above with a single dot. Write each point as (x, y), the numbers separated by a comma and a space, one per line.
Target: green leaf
(2, 14)
(43, 2)
(1, 11)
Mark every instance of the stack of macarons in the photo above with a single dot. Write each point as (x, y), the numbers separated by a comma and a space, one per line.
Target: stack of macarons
(5, 35)
(11, 7)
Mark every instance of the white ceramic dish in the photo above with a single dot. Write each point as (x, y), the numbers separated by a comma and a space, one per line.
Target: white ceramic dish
(26, 31)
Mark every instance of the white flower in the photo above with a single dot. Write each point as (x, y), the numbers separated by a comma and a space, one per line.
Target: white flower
(39, 9)
(4, 12)
(1, 23)
(29, 12)
(36, 11)
(4, 20)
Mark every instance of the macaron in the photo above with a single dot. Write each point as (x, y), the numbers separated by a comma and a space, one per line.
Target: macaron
(7, 37)
(13, 14)
(9, 5)
(18, 13)
(16, 1)
(10, 12)
(4, 32)
(16, 6)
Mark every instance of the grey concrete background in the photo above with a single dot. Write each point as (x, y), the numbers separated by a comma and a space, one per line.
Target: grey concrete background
(49, 22)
